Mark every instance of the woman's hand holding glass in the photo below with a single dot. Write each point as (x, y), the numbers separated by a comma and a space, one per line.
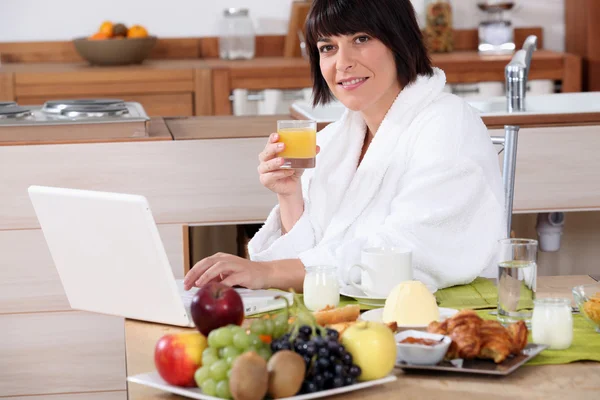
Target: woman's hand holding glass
(282, 181)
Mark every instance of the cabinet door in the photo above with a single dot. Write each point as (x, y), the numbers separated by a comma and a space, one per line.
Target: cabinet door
(61, 352)
(155, 105)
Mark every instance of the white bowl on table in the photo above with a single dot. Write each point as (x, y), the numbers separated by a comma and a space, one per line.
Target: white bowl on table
(420, 354)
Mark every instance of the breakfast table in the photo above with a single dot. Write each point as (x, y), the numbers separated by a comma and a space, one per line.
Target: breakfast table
(576, 380)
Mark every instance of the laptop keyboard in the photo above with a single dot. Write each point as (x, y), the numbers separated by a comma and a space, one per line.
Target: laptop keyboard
(186, 295)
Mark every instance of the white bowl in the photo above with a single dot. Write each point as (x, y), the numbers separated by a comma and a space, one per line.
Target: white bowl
(419, 354)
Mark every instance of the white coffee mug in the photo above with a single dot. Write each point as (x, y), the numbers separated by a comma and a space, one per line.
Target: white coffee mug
(382, 268)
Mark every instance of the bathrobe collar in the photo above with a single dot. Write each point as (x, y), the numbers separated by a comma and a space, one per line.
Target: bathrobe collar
(348, 189)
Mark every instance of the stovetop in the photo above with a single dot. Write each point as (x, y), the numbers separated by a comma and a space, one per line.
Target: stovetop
(72, 111)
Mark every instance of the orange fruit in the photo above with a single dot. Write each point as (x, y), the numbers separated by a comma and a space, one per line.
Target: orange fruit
(99, 36)
(106, 28)
(137, 31)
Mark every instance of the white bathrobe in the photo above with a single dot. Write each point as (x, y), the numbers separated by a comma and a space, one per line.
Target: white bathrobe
(430, 181)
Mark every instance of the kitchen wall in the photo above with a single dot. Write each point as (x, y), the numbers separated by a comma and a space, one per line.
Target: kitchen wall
(40, 20)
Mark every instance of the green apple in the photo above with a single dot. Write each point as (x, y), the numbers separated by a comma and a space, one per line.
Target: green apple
(373, 348)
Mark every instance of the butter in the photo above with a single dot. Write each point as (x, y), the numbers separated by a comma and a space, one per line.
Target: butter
(410, 303)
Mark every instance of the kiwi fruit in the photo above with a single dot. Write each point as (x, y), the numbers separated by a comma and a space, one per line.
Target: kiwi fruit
(249, 377)
(119, 30)
(286, 374)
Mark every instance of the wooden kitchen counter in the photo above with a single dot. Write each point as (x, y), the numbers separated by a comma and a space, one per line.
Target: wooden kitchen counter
(156, 130)
(575, 381)
(223, 127)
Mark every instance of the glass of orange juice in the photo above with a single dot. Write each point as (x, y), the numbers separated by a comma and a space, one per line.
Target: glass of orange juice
(300, 140)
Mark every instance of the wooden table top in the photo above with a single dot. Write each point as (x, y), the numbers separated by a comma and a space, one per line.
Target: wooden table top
(579, 380)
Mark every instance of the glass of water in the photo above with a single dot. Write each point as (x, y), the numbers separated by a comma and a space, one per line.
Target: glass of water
(517, 273)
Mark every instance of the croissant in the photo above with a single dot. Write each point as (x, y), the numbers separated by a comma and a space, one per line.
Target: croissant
(518, 333)
(496, 341)
(472, 337)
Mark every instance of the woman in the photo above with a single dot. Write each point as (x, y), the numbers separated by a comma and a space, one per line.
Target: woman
(407, 164)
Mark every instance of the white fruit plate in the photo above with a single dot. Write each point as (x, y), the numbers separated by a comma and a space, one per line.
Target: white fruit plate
(377, 316)
(154, 380)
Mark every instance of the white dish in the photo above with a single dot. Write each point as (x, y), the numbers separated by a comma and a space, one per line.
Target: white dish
(363, 298)
(420, 354)
(154, 380)
(377, 316)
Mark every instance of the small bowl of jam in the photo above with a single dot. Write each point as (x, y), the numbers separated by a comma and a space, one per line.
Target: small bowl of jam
(421, 348)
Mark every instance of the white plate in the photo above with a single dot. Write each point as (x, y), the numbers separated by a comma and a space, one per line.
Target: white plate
(377, 316)
(154, 380)
(363, 298)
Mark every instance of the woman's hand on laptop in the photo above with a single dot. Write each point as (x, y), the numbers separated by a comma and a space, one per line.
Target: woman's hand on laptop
(237, 271)
(229, 270)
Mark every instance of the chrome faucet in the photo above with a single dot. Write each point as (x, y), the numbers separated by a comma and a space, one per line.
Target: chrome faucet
(516, 73)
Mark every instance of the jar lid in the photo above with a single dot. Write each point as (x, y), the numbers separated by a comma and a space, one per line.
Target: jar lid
(553, 301)
(236, 12)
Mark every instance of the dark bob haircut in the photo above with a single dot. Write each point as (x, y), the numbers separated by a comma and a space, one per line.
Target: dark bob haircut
(393, 22)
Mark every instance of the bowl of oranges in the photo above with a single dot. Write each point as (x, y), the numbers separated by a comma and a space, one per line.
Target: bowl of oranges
(116, 44)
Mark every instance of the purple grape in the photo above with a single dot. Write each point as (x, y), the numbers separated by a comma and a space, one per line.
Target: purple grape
(338, 382)
(346, 358)
(355, 371)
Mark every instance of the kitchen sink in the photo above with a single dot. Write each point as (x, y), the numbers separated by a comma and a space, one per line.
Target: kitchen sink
(559, 103)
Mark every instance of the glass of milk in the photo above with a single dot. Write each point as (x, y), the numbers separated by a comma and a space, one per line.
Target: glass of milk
(552, 323)
(321, 288)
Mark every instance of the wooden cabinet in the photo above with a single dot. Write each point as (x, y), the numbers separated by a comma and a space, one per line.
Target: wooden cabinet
(165, 88)
(583, 38)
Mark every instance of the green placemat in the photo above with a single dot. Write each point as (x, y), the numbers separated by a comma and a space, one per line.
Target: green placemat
(585, 346)
(480, 294)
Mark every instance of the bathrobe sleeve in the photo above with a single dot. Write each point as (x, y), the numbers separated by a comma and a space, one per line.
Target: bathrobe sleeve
(270, 244)
(446, 208)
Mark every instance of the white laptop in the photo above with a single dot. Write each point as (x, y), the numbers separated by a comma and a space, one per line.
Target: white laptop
(111, 259)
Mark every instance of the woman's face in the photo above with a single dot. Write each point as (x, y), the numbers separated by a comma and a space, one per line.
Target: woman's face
(359, 70)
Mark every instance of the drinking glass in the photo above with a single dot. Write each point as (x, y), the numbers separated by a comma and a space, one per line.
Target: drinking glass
(517, 273)
(300, 139)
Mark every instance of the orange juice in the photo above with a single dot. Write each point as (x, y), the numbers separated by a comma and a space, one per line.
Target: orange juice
(300, 139)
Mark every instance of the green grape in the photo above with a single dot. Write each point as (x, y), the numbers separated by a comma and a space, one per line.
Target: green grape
(255, 340)
(209, 356)
(230, 351)
(218, 370)
(235, 329)
(209, 360)
(258, 327)
(201, 375)
(209, 387)
(281, 326)
(211, 339)
(223, 389)
(229, 374)
(212, 351)
(265, 353)
(221, 337)
(269, 326)
(253, 348)
(231, 359)
(241, 341)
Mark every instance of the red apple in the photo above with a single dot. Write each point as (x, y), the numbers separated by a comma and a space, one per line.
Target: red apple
(177, 356)
(215, 305)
